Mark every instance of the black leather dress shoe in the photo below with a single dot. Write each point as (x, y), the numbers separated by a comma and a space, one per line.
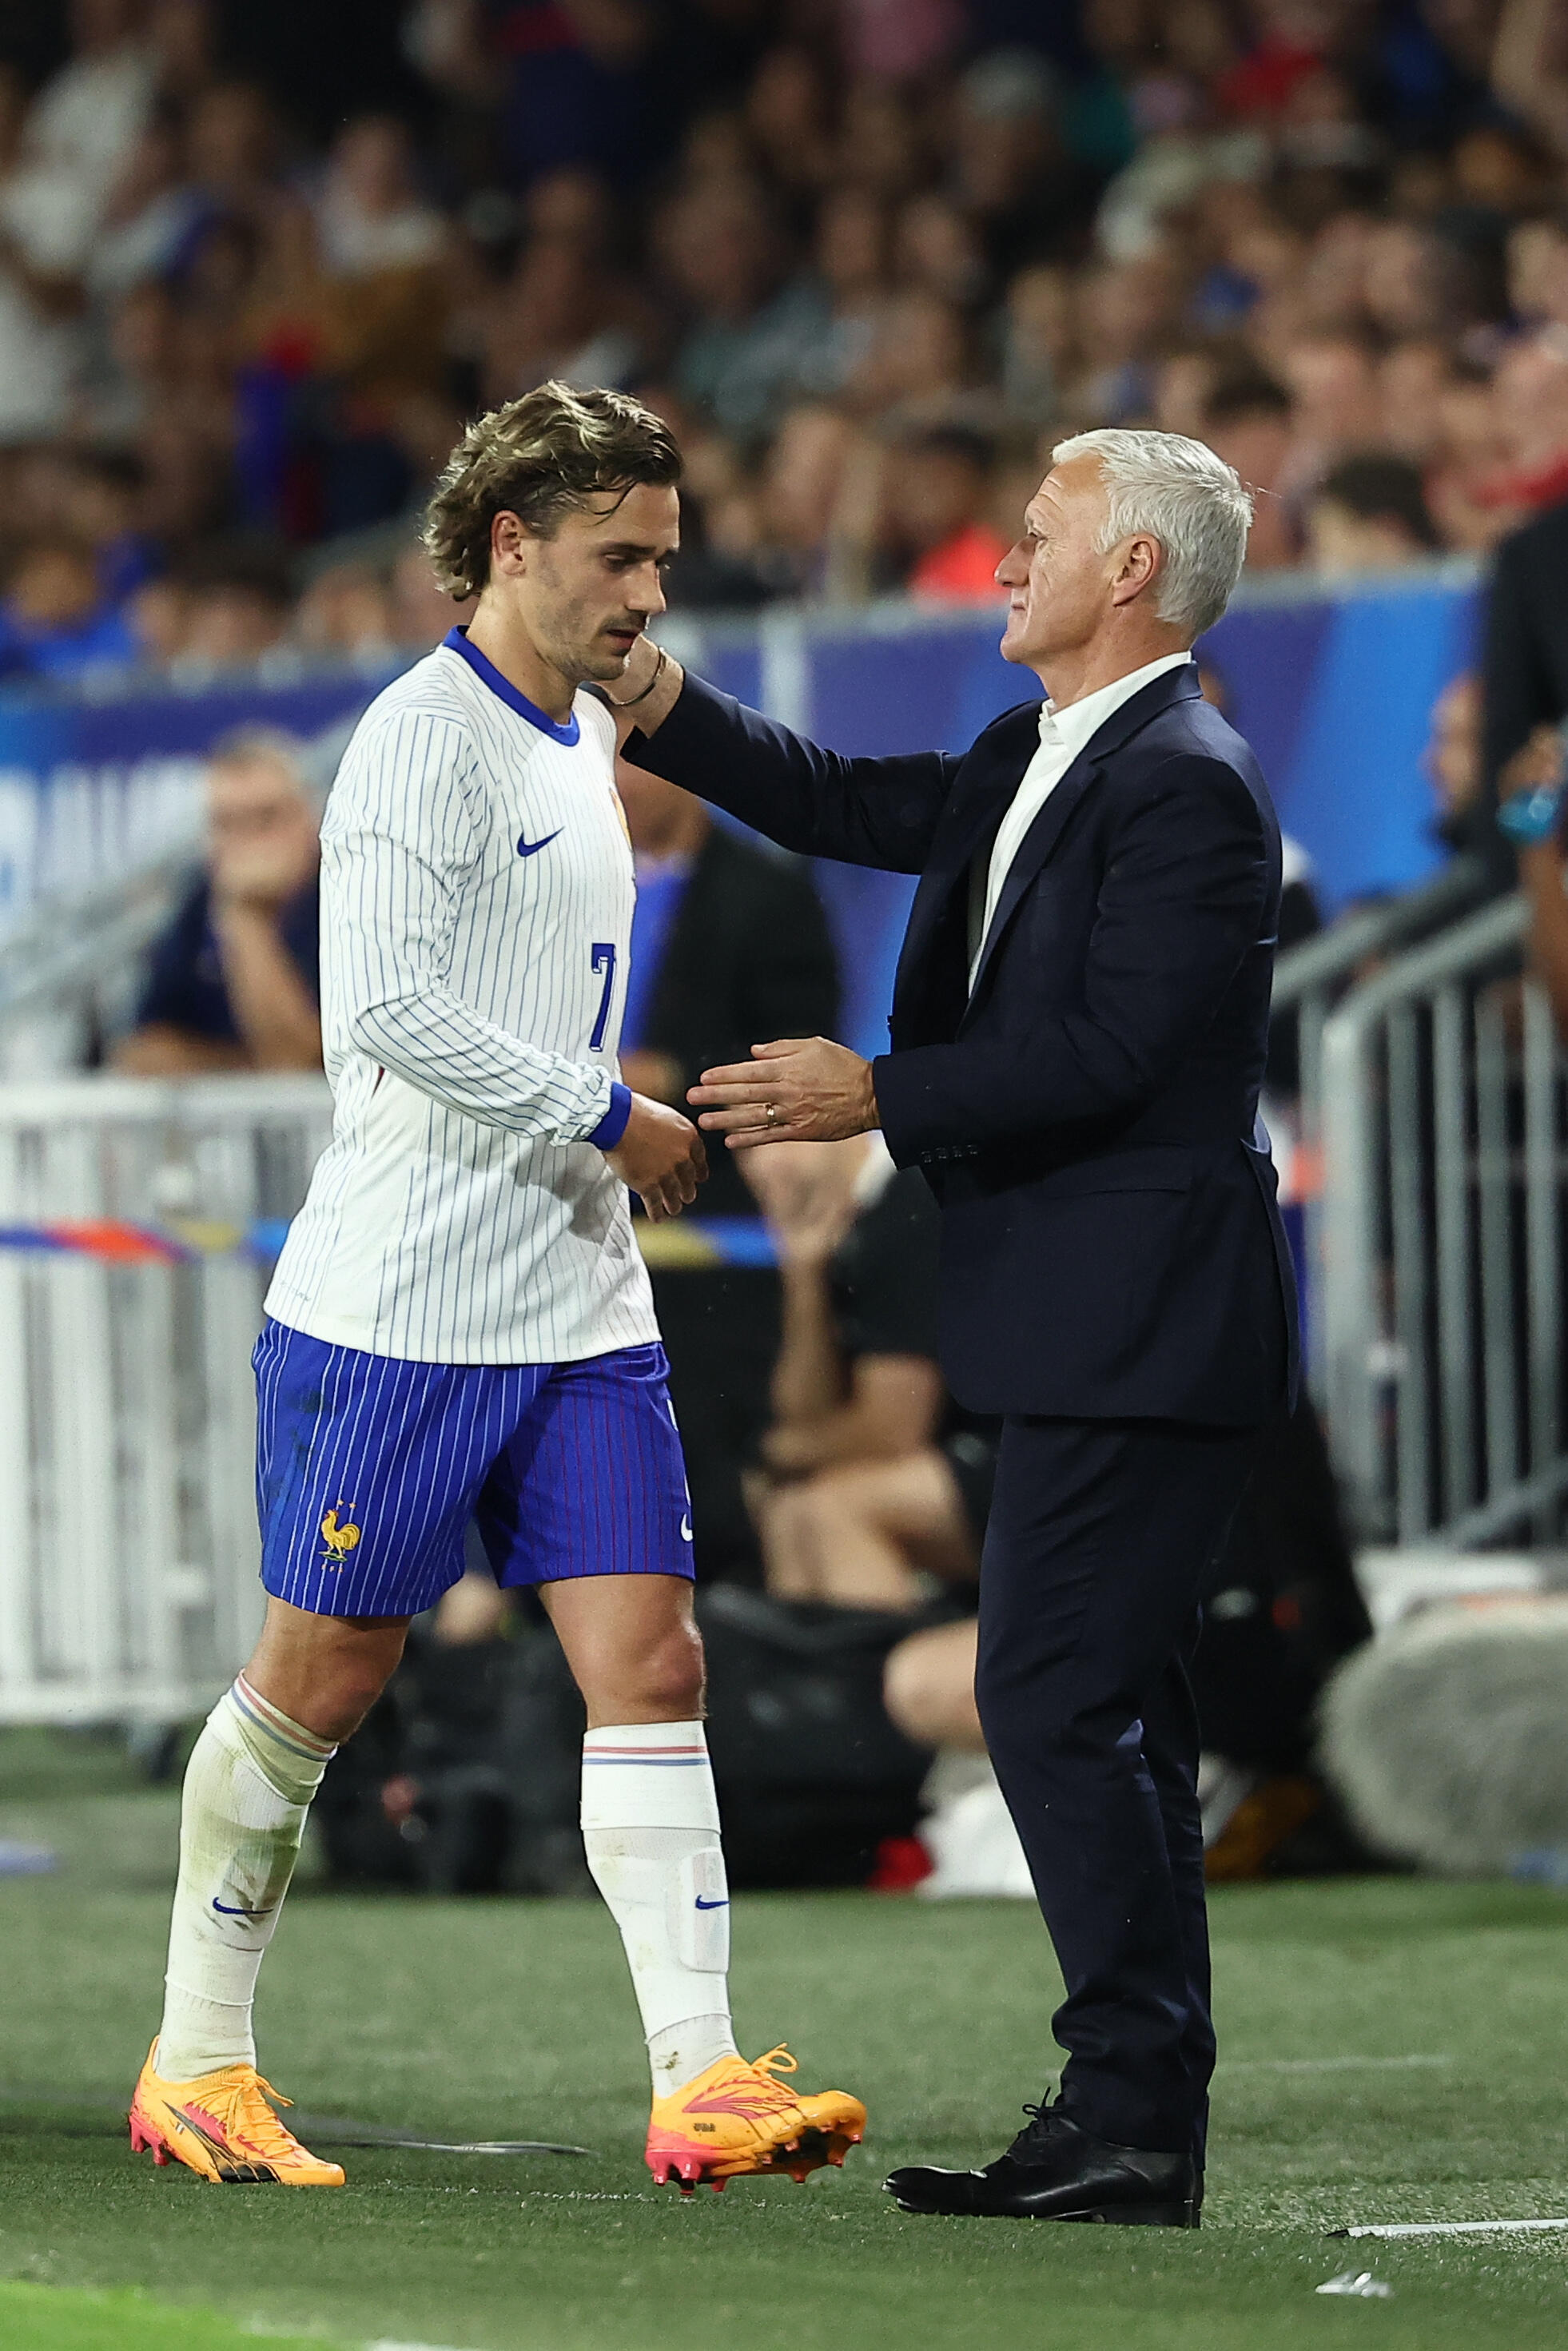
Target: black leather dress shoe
(1054, 2171)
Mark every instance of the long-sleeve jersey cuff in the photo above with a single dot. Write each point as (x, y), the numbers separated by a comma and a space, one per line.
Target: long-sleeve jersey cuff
(612, 1125)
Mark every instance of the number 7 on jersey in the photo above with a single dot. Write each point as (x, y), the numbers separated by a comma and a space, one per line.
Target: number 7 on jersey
(605, 961)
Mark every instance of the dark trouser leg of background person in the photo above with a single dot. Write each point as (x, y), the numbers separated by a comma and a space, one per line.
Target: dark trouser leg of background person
(1100, 1536)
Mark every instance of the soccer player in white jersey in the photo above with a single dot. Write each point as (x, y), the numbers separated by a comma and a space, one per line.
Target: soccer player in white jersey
(460, 1325)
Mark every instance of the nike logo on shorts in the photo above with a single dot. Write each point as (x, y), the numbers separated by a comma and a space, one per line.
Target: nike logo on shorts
(723, 1904)
(527, 848)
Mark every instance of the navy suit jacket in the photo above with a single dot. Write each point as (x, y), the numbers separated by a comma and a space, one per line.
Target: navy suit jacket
(1087, 1116)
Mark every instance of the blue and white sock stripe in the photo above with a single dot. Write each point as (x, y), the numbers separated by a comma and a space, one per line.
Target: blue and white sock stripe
(647, 1758)
(273, 1725)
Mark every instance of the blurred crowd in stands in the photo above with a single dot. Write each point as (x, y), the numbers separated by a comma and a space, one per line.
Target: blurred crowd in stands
(257, 265)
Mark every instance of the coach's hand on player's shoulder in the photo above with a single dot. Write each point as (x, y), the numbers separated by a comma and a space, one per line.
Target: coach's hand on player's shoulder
(661, 1157)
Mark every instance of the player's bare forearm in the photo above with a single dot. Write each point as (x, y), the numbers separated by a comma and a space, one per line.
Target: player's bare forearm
(797, 1090)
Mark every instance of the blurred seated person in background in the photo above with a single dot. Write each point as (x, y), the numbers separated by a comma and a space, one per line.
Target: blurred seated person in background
(1452, 760)
(1531, 802)
(241, 601)
(56, 622)
(729, 946)
(874, 1480)
(1369, 513)
(233, 981)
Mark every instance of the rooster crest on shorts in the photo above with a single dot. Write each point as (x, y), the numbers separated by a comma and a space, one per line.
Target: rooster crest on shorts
(340, 1535)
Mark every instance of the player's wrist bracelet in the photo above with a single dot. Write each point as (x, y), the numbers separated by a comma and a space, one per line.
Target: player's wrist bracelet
(1531, 818)
(634, 699)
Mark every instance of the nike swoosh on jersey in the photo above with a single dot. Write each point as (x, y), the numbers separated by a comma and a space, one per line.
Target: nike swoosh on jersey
(527, 848)
(721, 1905)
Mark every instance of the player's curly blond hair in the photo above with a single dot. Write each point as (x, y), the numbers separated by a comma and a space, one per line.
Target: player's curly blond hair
(536, 457)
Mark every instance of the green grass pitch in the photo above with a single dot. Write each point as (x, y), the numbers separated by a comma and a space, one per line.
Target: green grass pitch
(484, 2019)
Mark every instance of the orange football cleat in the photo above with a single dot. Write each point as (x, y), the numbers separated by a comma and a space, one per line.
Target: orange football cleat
(736, 2118)
(223, 2127)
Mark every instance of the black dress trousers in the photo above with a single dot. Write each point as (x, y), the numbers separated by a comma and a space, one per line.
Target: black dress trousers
(1100, 1538)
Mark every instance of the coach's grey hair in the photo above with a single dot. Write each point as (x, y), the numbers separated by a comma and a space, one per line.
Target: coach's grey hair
(1180, 493)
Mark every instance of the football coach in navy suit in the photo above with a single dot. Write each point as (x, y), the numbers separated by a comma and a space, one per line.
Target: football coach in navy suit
(1077, 1040)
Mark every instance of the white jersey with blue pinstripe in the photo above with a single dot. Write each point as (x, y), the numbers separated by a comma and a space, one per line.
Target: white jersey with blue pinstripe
(476, 894)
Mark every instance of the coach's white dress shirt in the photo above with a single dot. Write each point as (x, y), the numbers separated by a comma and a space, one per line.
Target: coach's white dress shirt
(1064, 734)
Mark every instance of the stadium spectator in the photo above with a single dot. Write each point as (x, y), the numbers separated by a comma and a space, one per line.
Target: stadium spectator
(370, 216)
(1308, 238)
(240, 607)
(56, 622)
(1524, 668)
(1453, 758)
(1369, 513)
(937, 521)
(41, 339)
(1530, 795)
(347, 613)
(232, 984)
(725, 260)
(873, 1481)
(422, 610)
(83, 124)
(852, 267)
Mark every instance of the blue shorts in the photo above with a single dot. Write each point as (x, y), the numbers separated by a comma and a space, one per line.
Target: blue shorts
(369, 1470)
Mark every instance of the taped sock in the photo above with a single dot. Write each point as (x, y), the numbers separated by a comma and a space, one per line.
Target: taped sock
(247, 1789)
(650, 1828)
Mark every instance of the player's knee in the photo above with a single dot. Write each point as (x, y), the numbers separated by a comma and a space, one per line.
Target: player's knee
(351, 1685)
(671, 1675)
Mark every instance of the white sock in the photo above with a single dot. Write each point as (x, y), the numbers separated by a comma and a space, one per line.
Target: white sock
(649, 1826)
(248, 1786)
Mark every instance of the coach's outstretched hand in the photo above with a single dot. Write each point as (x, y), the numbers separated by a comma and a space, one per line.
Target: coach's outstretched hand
(661, 1157)
(797, 1090)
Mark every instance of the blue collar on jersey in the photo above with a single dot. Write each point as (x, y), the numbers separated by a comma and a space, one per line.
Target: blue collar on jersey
(456, 641)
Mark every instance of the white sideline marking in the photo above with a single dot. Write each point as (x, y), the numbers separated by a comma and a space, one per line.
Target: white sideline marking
(1433, 2228)
(1324, 2064)
(386, 2344)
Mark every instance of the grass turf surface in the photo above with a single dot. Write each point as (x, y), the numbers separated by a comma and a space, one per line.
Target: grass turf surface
(482, 2020)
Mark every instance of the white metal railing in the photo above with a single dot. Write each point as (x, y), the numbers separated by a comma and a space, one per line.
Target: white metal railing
(129, 1300)
(1309, 981)
(1441, 1302)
